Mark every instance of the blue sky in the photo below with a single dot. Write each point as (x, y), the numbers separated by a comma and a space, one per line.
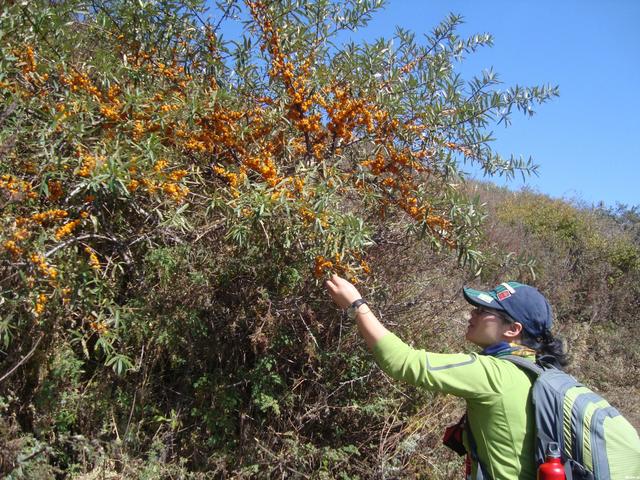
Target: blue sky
(587, 140)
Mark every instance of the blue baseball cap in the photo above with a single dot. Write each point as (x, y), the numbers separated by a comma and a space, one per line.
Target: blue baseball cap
(521, 302)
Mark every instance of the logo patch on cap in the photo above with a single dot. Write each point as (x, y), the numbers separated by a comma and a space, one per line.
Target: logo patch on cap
(504, 294)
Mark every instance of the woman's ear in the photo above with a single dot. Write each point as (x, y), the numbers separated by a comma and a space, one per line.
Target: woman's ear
(513, 331)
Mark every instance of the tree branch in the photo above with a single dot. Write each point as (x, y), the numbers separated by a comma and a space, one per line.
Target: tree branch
(22, 360)
(77, 239)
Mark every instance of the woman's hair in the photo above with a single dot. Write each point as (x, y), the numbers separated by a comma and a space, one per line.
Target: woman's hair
(549, 349)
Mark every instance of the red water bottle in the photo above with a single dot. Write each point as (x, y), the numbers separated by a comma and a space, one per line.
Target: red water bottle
(552, 468)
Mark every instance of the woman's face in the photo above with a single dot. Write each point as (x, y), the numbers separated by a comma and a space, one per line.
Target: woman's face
(486, 327)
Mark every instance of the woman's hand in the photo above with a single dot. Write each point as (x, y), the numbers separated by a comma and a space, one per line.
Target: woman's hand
(344, 294)
(342, 291)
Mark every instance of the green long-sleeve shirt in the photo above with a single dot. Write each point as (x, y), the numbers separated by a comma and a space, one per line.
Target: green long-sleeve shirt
(498, 396)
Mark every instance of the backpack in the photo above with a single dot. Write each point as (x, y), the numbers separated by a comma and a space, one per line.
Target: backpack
(597, 443)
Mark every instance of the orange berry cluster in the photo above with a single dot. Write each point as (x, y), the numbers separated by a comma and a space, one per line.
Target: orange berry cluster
(146, 61)
(93, 258)
(42, 266)
(40, 305)
(32, 82)
(349, 116)
(301, 98)
(88, 164)
(347, 113)
(339, 265)
(55, 190)
(16, 189)
(232, 178)
(307, 215)
(138, 130)
(407, 67)
(322, 266)
(176, 192)
(165, 181)
(264, 165)
(12, 246)
(66, 229)
(80, 81)
(218, 134)
(42, 217)
(99, 327)
(27, 59)
(110, 112)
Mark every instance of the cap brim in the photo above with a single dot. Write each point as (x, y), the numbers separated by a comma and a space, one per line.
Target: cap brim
(481, 299)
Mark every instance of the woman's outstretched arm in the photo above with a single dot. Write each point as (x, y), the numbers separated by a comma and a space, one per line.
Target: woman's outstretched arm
(463, 375)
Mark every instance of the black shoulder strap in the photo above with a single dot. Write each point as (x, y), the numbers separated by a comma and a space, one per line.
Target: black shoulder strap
(525, 364)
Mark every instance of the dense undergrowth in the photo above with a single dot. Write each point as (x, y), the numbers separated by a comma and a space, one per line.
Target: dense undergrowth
(171, 201)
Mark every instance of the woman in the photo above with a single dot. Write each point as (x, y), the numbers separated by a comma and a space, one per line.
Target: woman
(512, 319)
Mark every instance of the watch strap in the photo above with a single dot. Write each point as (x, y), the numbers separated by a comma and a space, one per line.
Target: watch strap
(353, 309)
(358, 302)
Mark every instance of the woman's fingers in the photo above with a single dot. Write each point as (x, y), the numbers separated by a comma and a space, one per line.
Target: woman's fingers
(333, 283)
(341, 290)
(332, 287)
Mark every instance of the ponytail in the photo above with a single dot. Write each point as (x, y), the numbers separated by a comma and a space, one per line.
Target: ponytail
(549, 349)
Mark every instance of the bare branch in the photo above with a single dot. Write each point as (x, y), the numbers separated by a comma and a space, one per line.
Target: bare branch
(22, 360)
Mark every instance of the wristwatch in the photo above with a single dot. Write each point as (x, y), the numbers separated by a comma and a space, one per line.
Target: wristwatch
(353, 309)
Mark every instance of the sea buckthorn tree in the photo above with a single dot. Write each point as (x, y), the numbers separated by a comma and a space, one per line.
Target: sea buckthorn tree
(175, 183)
